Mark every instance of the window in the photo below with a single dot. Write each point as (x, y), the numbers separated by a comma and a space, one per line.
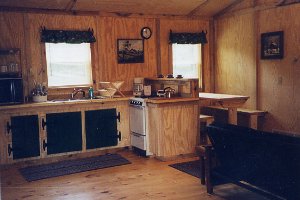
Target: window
(187, 60)
(68, 64)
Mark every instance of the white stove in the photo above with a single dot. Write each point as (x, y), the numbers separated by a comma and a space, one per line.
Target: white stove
(138, 126)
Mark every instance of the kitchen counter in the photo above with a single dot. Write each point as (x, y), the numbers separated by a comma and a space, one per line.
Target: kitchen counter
(159, 100)
(173, 126)
(54, 103)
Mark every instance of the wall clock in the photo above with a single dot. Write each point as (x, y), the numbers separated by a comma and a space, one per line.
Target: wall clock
(146, 33)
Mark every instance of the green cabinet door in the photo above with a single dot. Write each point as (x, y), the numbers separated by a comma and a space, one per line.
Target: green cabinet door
(63, 132)
(101, 128)
(25, 136)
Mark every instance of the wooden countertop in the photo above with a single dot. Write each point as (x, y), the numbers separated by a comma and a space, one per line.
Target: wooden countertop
(61, 102)
(159, 100)
(154, 100)
(221, 97)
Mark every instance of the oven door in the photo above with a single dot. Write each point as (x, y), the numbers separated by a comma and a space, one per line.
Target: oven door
(137, 119)
(138, 140)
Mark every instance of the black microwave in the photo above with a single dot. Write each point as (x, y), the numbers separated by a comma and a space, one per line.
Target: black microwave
(11, 91)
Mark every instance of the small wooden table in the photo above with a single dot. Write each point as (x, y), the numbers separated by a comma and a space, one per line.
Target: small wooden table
(232, 102)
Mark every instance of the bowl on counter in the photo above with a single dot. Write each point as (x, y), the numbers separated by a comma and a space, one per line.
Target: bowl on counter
(108, 92)
(39, 99)
(111, 85)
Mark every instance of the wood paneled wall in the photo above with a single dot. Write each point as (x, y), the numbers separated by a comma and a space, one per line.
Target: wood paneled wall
(22, 30)
(273, 85)
(12, 34)
(235, 71)
(279, 90)
(113, 28)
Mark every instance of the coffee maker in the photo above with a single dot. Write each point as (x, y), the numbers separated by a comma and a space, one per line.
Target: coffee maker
(138, 86)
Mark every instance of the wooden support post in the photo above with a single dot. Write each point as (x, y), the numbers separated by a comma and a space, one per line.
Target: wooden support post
(232, 115)
(253, 121)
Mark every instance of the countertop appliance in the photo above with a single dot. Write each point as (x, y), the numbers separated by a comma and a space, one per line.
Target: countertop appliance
(11, 91)
(138, 87)
(138, 126)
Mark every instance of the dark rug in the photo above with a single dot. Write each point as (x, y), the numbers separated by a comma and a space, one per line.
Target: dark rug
(62, 168)
(192, 167)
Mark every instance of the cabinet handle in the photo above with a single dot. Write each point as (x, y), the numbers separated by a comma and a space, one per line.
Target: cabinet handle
(120, 135)
(8, 128)
(43, 123)
(44, 145)
(119, 116)
(9, 149)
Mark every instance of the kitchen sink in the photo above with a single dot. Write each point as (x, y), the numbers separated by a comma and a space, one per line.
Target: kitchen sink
(67, 100)
(165, 98)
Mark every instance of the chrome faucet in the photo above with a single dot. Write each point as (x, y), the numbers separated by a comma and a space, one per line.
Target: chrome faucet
(76, 91)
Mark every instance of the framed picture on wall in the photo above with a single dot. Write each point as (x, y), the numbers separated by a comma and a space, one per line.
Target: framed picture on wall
(272, 45)
(130, 51)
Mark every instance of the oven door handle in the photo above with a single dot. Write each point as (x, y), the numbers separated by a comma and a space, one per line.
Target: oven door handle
(137, 134)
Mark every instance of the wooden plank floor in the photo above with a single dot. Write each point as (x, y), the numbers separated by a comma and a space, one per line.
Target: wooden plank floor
(145, 178)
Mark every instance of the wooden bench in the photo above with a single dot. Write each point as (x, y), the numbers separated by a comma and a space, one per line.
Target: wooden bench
(261, 161)
(253, 115)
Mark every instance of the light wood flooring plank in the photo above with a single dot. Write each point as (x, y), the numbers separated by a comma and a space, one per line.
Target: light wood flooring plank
(145, 178)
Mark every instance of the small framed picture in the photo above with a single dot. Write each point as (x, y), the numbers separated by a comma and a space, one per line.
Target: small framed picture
(130, 51)
(272, 45)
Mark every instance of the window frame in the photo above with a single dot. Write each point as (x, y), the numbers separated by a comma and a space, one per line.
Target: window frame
(201, 68)
(71, 86)
(62, 89)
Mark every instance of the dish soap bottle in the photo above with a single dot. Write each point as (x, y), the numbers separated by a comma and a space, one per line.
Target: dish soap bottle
(91, 93)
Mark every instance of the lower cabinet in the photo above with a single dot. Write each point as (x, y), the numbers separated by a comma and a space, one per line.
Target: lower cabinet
(64, 132)
(47, 133)
(25, 137)
(101, 128)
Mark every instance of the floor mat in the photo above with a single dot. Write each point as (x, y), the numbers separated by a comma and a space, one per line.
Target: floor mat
(62, 168)
(192, 167)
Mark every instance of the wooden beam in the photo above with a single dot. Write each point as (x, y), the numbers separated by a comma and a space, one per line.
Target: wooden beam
(46, 11)
(281, 2)
(287, 2)
(257, 8)
(228, 8)
(71, 5)
(97, 13)
(195, 10)
(158, 51)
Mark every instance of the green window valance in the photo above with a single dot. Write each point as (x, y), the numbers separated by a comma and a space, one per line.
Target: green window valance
(188, 38)
(67, 36)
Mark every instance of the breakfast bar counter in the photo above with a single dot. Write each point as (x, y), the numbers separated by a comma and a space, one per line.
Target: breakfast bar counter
(173, 126)
(232, 102)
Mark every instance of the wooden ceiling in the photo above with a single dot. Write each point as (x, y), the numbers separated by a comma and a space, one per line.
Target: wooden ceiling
(187, 8)
(184, 8)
